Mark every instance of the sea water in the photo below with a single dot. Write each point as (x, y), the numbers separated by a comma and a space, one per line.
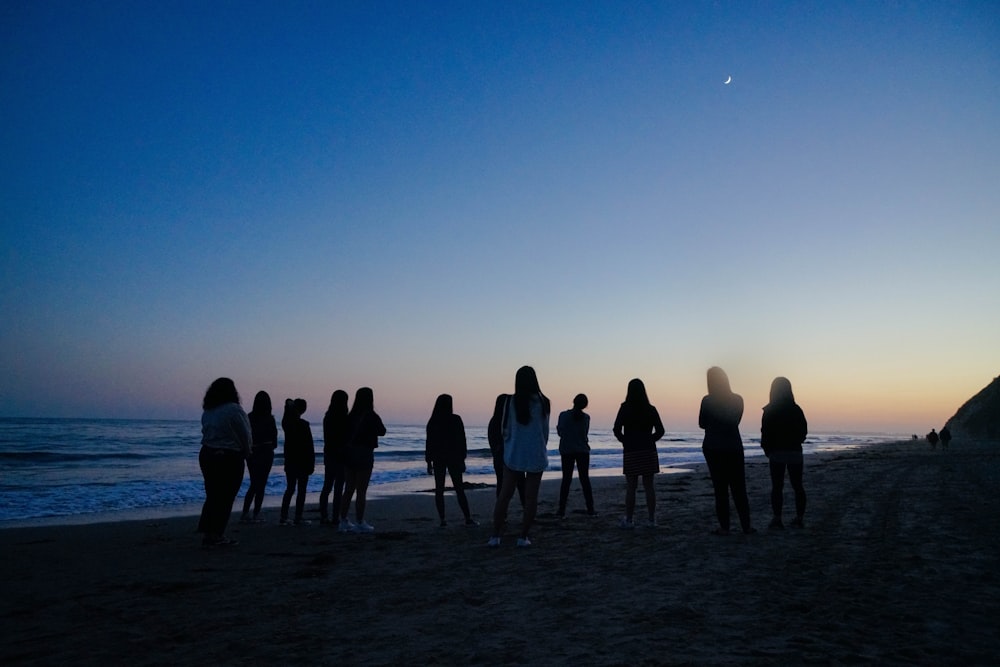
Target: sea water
(80, 468)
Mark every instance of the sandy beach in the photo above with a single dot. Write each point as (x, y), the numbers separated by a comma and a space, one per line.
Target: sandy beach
(898, 564)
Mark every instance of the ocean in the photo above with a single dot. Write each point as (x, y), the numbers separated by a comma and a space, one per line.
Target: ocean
(78, 470)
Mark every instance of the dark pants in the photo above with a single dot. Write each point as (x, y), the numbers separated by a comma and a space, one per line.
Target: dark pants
(334, 478)
(259, 466)
(728, 476)
(223, 473)
(778, 484)
(455, 472)
(294, 481)
(582, 462)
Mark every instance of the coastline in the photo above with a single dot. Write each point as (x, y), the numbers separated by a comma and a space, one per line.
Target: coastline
(897, 565)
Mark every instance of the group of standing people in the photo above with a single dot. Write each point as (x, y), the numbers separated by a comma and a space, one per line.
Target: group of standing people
(230, 436)
(783, 430)
(518, 435)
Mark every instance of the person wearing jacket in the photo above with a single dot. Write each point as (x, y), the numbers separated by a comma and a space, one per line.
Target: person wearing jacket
(445, 452)
(365, 428)
(494, 435)
(638, 427)
(525, 427)
(720, 415)
(300, 458)
(265, 441)
(783, 429)
(334, 443)
(573, 428)
(226, 442)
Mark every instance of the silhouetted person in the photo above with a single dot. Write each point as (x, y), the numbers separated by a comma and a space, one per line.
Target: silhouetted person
(365, 428)
(494, 435)
(225, 444)
(300, 458)
(334, 443)
(573, 428)
(945, 437)
(445, 452)
(265, 441)
(720, 415)
(783, 429)
(638, 427)
(525, 427)
(932, 438)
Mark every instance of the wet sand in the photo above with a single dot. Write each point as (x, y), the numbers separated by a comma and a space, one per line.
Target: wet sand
(899, 564)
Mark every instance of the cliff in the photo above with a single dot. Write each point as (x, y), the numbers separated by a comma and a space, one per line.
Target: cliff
(979, 417)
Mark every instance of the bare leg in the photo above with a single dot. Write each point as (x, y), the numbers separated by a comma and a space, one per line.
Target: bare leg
(507, 489)
(364, 477)
(631, 483)
(345, 500)
(647, 485)
(533, 480)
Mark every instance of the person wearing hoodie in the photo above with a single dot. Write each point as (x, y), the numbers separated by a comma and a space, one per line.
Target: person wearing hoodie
(226, 442)
(783, 429)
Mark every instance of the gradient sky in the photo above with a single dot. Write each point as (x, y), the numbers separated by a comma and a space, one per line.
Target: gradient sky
(422, 197)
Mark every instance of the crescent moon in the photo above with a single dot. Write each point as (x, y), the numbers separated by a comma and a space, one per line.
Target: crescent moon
(728, 81)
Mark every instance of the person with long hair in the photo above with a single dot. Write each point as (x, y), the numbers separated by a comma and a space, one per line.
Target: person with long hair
(265, 441)
(720, 415)
(226, 442)
(445, 452)
(300, 458)
(638, 427)
(573, 428)
(525, 427)
(334, 443)
(494, 436)
(365, 428)
(783, 429)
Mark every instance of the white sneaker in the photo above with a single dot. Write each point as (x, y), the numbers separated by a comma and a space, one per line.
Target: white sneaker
(523, 542)
(345, 526)
(626, 523)
(364, 527)
(494, 541)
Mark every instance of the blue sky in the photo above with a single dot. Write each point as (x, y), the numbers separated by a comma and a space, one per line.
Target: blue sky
(421, 197)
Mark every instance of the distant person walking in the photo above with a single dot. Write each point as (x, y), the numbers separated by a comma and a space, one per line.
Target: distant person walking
(932, 438)
(638, 427)
(365, 428)
(265, 441)
(445, 452)
(300, 458)
(720, 415)
(573, 428)
(225, 444)
(783, 429)
(525, 427)
(334, 444)
(945, 437)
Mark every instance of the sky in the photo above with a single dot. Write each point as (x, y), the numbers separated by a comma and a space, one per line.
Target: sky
(423, 197)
